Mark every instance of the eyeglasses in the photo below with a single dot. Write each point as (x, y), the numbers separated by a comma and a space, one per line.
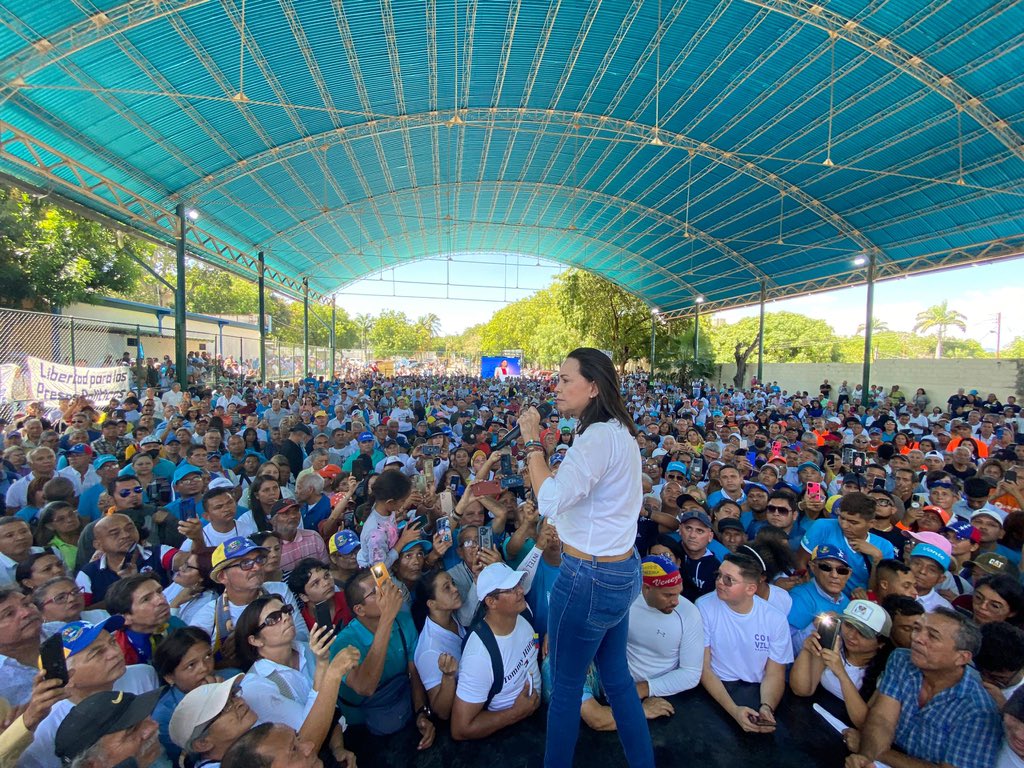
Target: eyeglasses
(728, 581)
(883, 503)
(63, 598)
(471, 544)
(500, 592)
(842, 570)
(124, 493)
(248, 565)
(275, 617)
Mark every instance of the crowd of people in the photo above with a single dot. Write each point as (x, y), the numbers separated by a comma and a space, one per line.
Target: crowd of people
(283, 572)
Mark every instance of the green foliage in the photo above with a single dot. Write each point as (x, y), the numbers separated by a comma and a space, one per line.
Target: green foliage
(674, 352)
(394, 334)
(1014, 349)
(788, 338)
(940, 317)
(288, 325)
(50, 257)
(214, 291)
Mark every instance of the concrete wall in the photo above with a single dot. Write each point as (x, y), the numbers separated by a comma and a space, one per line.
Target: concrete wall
(939, 378)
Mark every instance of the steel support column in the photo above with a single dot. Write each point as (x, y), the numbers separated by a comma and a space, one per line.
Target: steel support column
(334, 323)
(696, 331)
(180, 339)
(305, 328)
(760, 337)
(868, 318)
(263, 318)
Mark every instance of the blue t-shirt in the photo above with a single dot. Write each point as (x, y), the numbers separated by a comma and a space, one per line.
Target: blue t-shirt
(808, 601)
(829, 532)
(313, 515)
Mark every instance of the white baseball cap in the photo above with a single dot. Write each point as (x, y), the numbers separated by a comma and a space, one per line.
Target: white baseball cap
(494, 577)
(199, 708)
(870, 619)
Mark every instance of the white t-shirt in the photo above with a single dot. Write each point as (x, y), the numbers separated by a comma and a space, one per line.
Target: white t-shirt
(435, 640)
(932, 600)
(404, 418)
(779, 598)
(519, 659)
(831, 683)
(244, 526)
(665, 650)
(742, 643)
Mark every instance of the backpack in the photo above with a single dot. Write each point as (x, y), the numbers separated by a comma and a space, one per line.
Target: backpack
(483, 630)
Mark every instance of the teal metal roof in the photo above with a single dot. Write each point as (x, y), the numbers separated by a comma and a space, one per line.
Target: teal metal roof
(680, 149)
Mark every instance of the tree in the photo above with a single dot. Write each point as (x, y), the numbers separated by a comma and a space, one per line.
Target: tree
(363, 324)
(215, 291)
(51, 258)
(742, 355)
(606, 316)
(1014, 349)
(877, 326)
(676, 361)
(788, 338)
(940, 317)
(394, 334)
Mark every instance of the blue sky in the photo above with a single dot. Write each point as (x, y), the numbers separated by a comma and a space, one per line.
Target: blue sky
(469, 289)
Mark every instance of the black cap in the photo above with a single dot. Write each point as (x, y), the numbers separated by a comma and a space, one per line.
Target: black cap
(729, 522)
(300, 428)
(99, 715)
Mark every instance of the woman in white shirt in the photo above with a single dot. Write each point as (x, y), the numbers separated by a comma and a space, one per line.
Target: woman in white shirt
(403, 415)
(439, 647)
(289, 682)
(595, 502)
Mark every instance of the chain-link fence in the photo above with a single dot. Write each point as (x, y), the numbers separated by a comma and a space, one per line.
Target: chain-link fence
(218, 352)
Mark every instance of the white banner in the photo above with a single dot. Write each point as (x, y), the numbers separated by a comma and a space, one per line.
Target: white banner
(8, 376)
(50, 382)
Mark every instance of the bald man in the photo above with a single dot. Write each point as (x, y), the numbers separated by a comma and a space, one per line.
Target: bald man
(118, 554)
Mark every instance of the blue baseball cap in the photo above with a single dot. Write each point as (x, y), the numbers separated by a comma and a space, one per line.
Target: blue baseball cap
(232, 549)
(427, 546)
(809, 465)
(344, 542)
(80, 448)
(128, 471)
(106, 458)
(365, 437)
(697, 515)
(79, 635)
(556, 458)
(184, 470)
(828, 552)
(677, 466)
(963, 530)
(932, 552)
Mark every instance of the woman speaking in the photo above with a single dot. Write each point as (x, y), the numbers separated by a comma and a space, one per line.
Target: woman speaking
(594, 502)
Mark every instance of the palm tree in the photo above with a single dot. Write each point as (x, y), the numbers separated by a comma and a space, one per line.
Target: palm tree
(430, 327)
(940, 317)
(877, 326)
(364, 324)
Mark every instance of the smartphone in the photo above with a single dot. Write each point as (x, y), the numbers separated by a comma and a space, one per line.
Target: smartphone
(153, 491)
(419, 483)
(430, 450)
(380, 573)
(52, 660)
(860, 462)
(486, 537)
(828, 631)
(453, 484)
(187, 509)
(447, 503)
(1010, 476)
(322, 612)
(506, 464)
(697, 467)
(486, 488)
(444, 527)
(848, 455)
(814, 490)
(777, 449)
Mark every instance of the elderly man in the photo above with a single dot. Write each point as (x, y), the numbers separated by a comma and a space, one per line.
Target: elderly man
(95, 665)
(110, 729)
(117, 541)
(931, 708)
(208, 721)
(20, 624)
(296, 544)
(272, 745)
(316, 505)
(43, 463)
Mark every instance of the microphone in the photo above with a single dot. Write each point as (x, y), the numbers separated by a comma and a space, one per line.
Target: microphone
(544, 409)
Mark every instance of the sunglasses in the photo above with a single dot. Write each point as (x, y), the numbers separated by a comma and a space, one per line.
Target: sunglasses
(275, 617)
(842, 570)
(124, 493)
(248, 565)
(777, 509)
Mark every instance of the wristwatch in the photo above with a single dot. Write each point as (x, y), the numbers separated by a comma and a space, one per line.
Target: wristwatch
(425, 710)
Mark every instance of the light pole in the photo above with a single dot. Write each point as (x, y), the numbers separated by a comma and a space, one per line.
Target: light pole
(654, 327)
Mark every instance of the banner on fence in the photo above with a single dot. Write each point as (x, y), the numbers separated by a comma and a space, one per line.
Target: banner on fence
(8, 376)
(50, 382)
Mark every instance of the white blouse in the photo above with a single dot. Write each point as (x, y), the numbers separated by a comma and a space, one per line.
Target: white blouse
(595, 498)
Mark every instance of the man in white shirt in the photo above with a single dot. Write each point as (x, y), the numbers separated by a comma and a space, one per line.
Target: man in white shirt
(484, 705)
(219, 508)
(929, 560)
(80, 470)
(95, 663)
(173, 396)
(665, 645)
(747, 645)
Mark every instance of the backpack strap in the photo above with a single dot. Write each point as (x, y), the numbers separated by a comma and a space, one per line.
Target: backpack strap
(483, 630)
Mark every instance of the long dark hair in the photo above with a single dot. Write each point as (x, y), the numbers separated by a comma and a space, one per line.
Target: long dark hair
(259, 514)
(246, 654)
(596, 367)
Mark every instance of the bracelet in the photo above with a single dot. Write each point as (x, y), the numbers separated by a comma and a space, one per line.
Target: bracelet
(765, 704)
(531, 443)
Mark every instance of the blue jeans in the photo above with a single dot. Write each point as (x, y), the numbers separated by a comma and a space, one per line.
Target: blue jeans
(588, 619)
